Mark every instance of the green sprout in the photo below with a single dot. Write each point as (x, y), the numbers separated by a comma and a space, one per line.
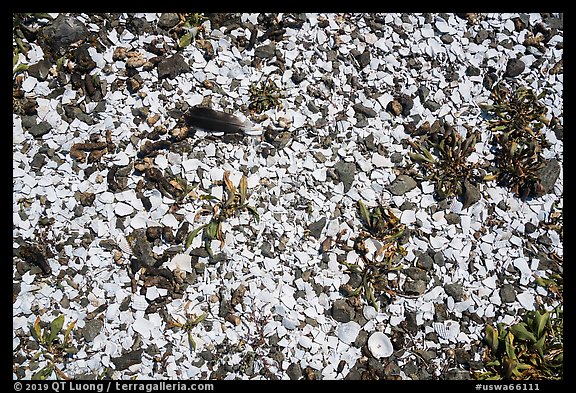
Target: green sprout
(383, 226)
(228, 206)
(451, 169)
(190, 25)
(517, 123)
(54, 346)
(188, 326)
(264, 96)
(530, 349)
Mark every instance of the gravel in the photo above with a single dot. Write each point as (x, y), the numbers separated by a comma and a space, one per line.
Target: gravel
(108, 182)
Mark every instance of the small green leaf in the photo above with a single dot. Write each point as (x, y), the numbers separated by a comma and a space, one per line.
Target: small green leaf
(419, 157)
(509, 342)
(69, 330)
(253, 211)
(191, 341)
(21, 67)
(199, 319)
(211, 231)
(519, 330)
(185, 40)
(539, 346)
(365, 214)
(55, 327)
(207, 197)
(491, 337)
(540, 321)
(43, 373)
(192, 235)
(36, 332)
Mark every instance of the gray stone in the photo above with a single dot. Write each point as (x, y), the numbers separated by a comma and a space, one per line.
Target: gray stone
(368, 112)
(38, 161)
(172, 67)
(455, 290)
(361, 339)
(346, 172)
(29, 121)
(439, 258)
(425, 262)
(91, 329)
(354, 374)
(168, 20)
(266, 250)
(401, 185)
(529, 228)
(514, 67)
(342, 311)
(294, 371)
(423, 93)
(265, 51)
(316, 227)
(446, 38)
(548, 175)
(415, 273)
(63, 31)
(452, 218)
(128, 359)
(471, 195)
(432, 105)
(40, 129)
(363, 59)
(396, 157)
(415, 288)
(141, 248)
(40, 70)
(472, 71)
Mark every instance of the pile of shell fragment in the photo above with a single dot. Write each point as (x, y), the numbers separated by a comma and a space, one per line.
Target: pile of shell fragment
(102, 207)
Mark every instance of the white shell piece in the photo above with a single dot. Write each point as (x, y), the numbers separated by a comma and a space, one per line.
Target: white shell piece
(447, 329)
(347, 332)
(139, 302)
(123, 209)
(369, 312)
(182, 262)
(380, 345)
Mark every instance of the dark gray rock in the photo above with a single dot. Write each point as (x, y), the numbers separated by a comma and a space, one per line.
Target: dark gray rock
(423, 92)
(415, 273)
(141, 248)
(316, 227)
(168, 20)
(294, 371)
(455, 290)
(266, 250)
(128, 359)
(548, 175)
(63, 31)
(555, 22)
(29, 121)
(40, 70)
(407, 104)
(431, 105)
(396, 157)
(514, 67)
(172, 67)
(489, 80)
(446, 38)
(363, 59)
(452, 218)
(481, 36)
(38, 161)
(401, 185)
(354, 374)
(265, 51)
(439, 258)
(346, 172)
(40, 129)
(472, 71)
(342, 311)
(361, 339)
(415, 287)
(91, 329)
(529, 228)
(368, 112)
(508, 293)
(471, 195)
(425, 262)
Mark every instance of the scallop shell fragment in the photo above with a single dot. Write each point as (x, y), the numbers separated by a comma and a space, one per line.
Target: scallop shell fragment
(380, 345)
(348, 332)
(447, 330)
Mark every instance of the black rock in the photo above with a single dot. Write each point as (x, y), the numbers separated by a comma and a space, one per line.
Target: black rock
(342, 311)
(514, 67)
(508, 293)
(63, 31)
(472, 71)
(266, 250)
(489, 80)
(401, 185)
(172, 67)
(416, 287)
(471, 195)
(128, 359)
(481, 36)
(40, 129)
(141, 248)
(423, 93)
(368, 112)
(168, 20)
(316, 227)
(38, 161)
(298, 76)
(548, 175)
(40, 70)
(346, 172)
(265, 51)
(410, 321)
(407, 104)
(455, 290)
(529, 228)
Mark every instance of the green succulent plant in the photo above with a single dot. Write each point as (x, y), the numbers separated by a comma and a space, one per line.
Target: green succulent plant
(518, 118)
(264, 96)
(451, 168)
(228, 206)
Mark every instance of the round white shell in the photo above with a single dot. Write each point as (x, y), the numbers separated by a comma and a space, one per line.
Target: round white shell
(447, 329)
(380, 345)
(348, 332)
